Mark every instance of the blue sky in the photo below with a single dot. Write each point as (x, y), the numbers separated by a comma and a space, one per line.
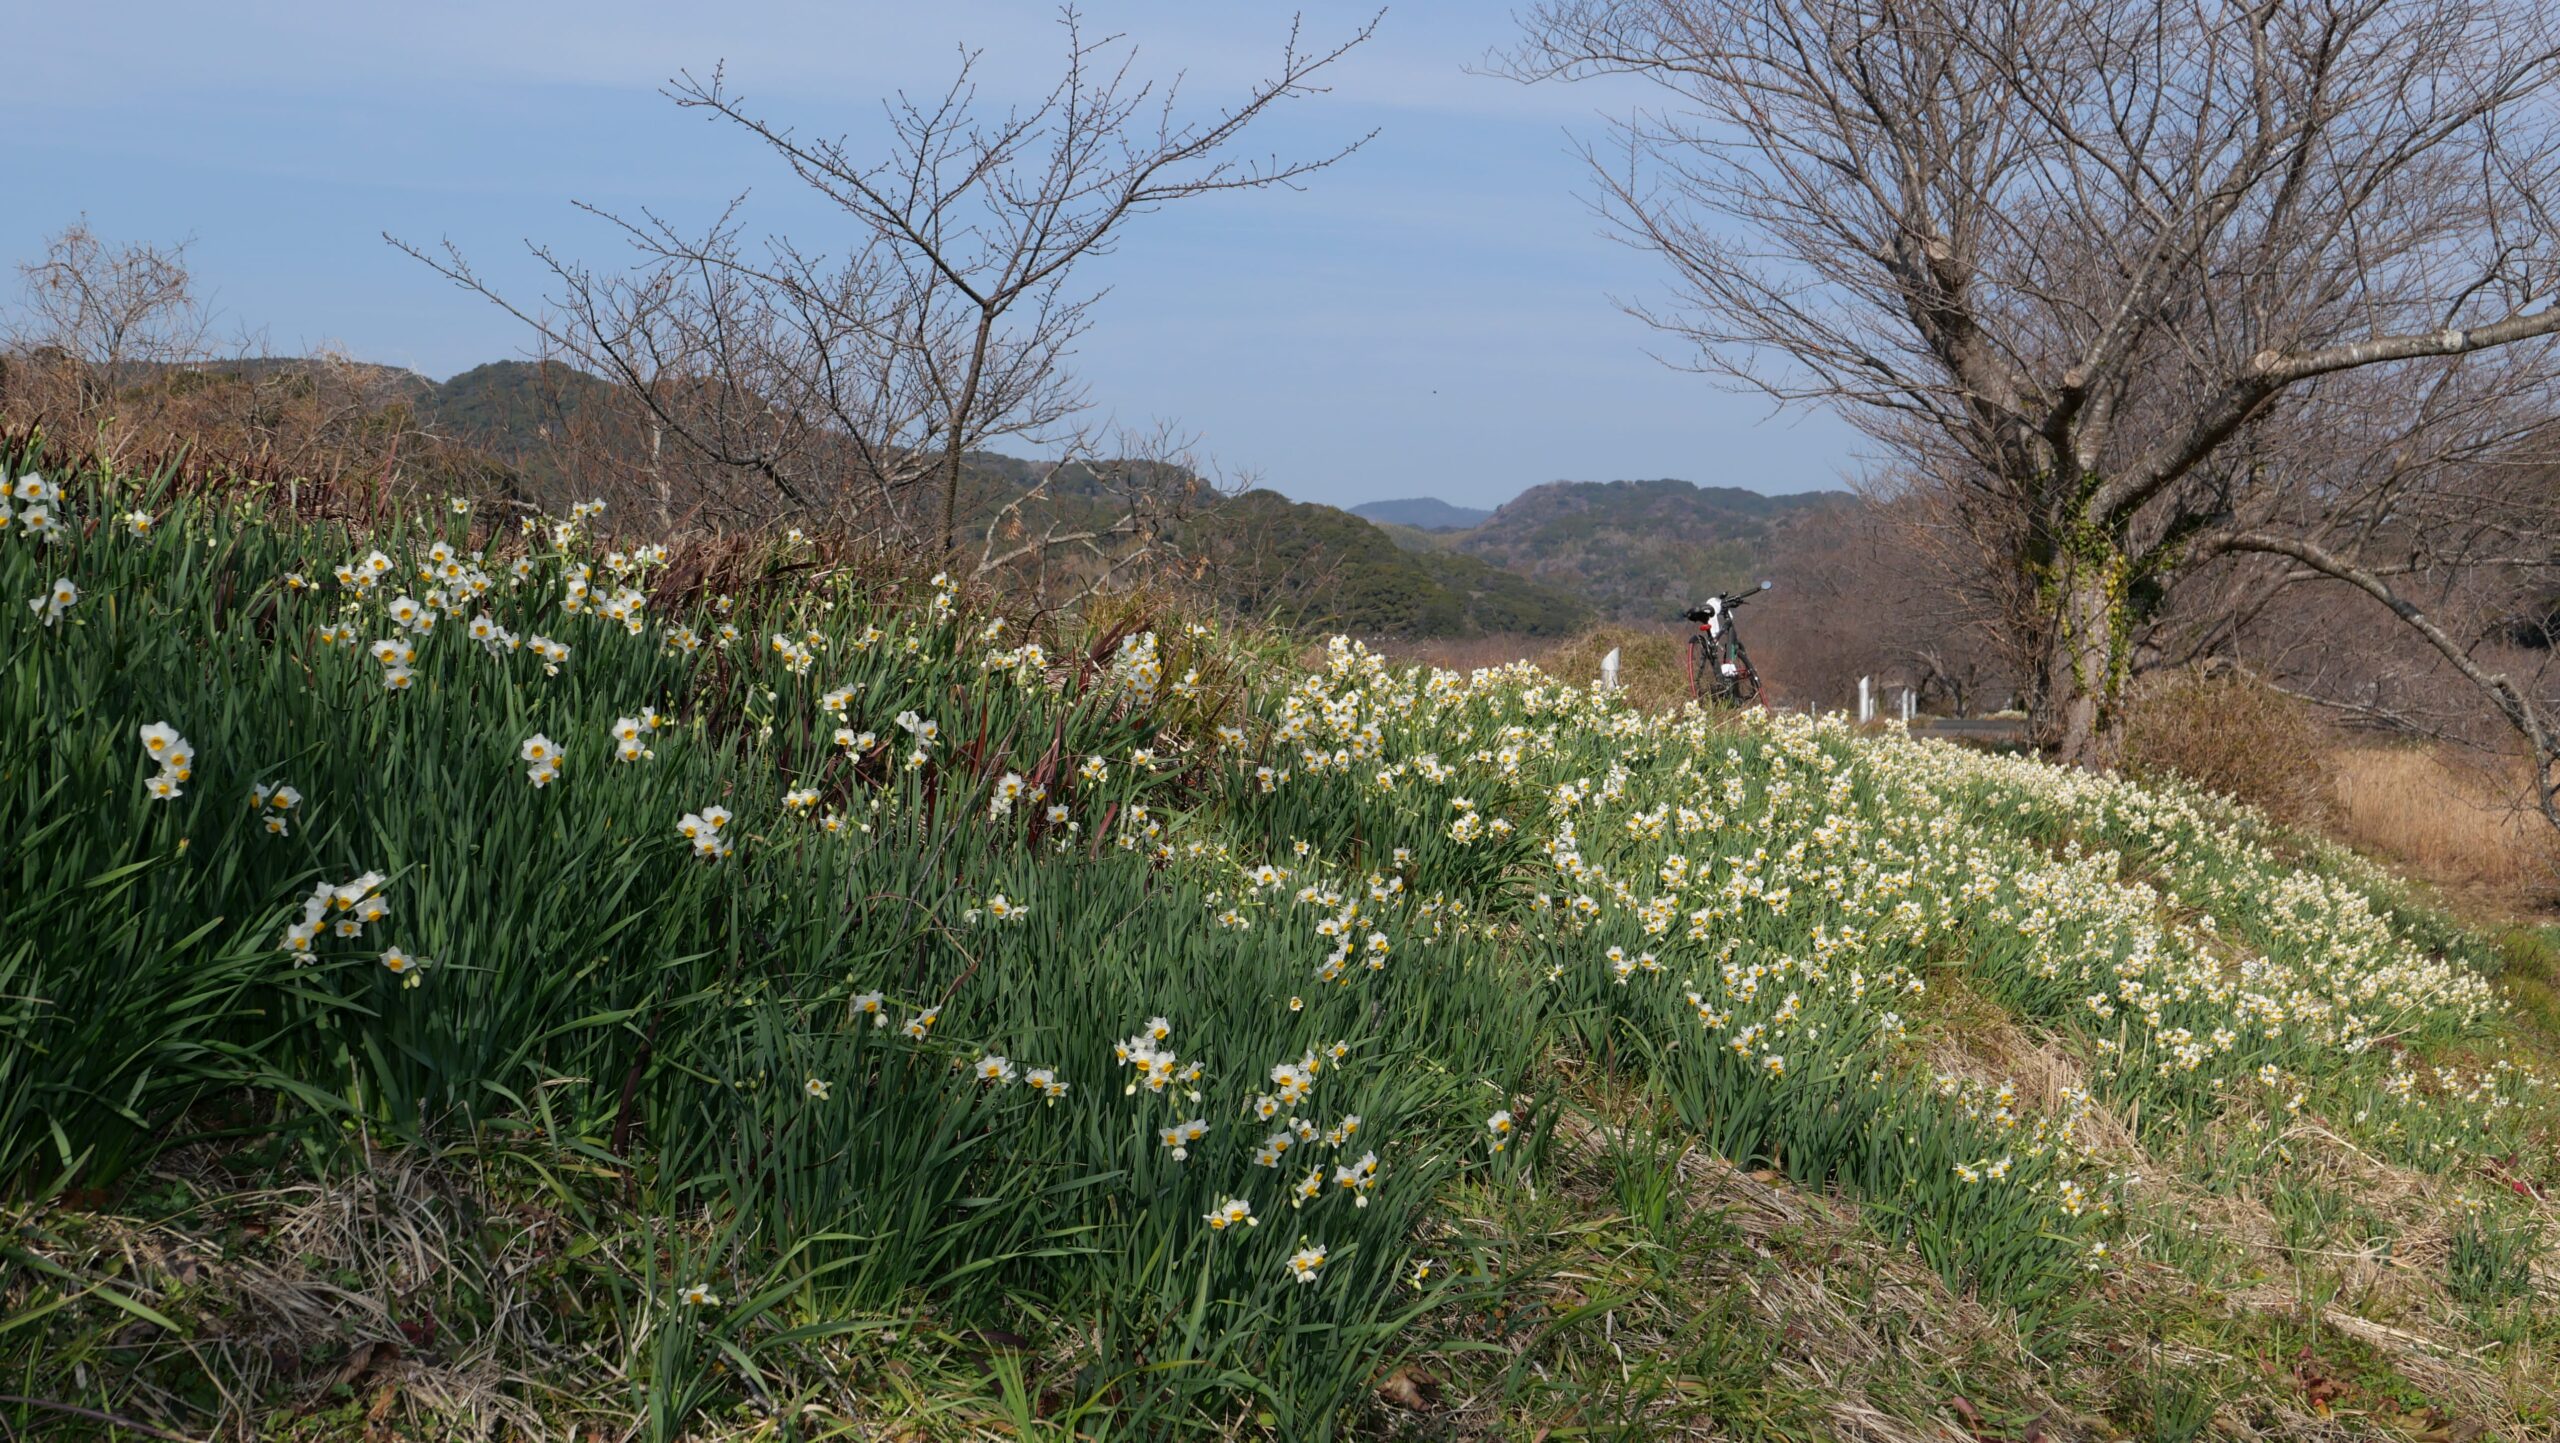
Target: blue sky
(1435, 316)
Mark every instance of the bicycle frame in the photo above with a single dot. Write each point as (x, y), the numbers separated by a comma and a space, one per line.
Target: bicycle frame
(1715, 646)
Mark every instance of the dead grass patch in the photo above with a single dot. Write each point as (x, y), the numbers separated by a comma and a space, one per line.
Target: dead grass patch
(358, 1283)
(2453, 822)
(1875, 1337)
(1653, 663)
(1464, 653)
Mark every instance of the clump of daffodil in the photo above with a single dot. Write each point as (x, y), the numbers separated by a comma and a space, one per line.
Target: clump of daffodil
(176, 756)
(409, 968)
(544, 754)
(1307, 1262)
(705, 830)
(1179, 1137)
(355, 903)
(630, 738)
(274, 805)
(1360, 1178)
(39, 513)
(1008, 790)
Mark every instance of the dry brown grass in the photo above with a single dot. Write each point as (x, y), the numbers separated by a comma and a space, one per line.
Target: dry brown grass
(1465, 653)
(2458, 825)
(1653, 663)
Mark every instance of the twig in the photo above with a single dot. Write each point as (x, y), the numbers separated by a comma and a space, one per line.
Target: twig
(112, 1420)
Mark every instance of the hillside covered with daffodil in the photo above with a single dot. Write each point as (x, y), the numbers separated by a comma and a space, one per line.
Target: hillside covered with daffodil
(471, 977)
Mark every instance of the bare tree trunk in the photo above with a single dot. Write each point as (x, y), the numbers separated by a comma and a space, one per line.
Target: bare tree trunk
(955, 450)
(661, 494)
(2083, 715)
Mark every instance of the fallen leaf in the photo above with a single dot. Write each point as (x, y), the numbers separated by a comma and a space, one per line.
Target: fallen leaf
(1410, 1389)
(2318, 1388)
(367, 1358)
(374, 1432)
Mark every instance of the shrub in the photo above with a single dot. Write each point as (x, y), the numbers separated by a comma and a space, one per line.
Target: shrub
(2233, 734)
(1653, 669)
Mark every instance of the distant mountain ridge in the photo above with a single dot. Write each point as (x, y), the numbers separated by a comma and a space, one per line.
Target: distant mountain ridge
(1634, 550)
(1425, 513)
(1317, 568)
(1543, 563)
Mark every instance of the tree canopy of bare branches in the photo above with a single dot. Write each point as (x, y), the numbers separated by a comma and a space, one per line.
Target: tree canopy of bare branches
(107, 311)
(2136, 286)
(856, 378)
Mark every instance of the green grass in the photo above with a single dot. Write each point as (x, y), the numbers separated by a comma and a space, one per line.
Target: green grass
(680, 1135)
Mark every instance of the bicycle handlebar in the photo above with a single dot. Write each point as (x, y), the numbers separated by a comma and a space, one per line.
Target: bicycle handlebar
(1727, 601)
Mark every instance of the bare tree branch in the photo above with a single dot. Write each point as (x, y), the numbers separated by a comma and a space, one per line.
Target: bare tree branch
(2513, 703)
(861, 382)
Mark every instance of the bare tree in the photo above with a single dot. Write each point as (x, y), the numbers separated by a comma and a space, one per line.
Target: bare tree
(862, 381)
(109, 313)
(112, 351)
(2138, 286)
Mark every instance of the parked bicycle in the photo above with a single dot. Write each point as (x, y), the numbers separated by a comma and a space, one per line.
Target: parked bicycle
(1720, 669)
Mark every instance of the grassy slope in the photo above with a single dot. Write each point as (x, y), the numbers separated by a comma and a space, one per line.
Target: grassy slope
(1844, 1086)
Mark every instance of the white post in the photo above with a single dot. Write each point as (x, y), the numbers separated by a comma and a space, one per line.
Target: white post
(1908, 706)
(1866, 701)
(1609, 670)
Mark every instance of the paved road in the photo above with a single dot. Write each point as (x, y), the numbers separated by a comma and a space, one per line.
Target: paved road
(1972, 729)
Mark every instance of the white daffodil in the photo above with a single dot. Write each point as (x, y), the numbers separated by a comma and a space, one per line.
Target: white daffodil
(1305, 1263)
(57, 599)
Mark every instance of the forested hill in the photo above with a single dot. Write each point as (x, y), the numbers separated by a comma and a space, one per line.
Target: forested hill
(1633, 549)
(1546, 563)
